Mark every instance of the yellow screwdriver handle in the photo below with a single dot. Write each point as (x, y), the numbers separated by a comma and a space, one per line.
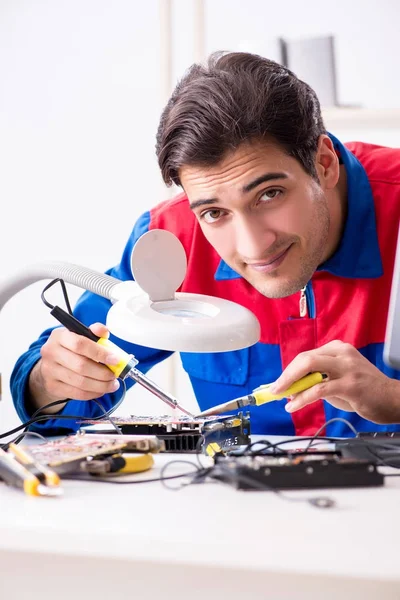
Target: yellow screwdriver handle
(263, 395)
(52, 478)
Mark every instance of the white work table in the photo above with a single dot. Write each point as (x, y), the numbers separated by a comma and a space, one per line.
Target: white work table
(204, 541)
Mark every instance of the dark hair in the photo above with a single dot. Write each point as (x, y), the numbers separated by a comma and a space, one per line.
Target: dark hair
(237, 97)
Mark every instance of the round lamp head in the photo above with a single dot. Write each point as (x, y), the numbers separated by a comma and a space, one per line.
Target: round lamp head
(161, 318)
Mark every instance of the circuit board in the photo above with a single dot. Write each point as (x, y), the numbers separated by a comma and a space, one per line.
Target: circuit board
(66, 454)
(183, 433)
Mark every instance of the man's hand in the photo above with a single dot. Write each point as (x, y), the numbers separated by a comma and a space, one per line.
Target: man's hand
(70, 368)
(353, 383)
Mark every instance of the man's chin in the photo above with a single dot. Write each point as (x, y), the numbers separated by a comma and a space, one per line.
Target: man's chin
(275, 294)
(277, 289)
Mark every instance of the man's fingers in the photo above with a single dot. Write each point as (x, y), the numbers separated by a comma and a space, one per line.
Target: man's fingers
(338, 403)
(329, 390)
(77, 381)
(82, 366)
(100, 330)
(81, 345)
(308, 362)
(334, 348)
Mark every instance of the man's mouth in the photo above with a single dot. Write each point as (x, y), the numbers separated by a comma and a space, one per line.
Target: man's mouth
(266, 266)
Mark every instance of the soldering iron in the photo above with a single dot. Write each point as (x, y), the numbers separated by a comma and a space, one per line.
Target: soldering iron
(127, 365)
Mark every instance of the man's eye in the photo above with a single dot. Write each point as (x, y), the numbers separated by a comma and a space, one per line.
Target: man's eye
(270, 194)
(210, 216)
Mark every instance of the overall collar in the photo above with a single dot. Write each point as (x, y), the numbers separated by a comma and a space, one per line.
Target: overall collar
(358, 254)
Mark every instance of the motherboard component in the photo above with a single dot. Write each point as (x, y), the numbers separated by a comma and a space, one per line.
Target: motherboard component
(68, 454)
(183, 433)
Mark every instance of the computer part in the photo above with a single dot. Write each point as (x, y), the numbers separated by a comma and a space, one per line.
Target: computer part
(65, 455)
(183, 433)
(311, 469)
(380, 448)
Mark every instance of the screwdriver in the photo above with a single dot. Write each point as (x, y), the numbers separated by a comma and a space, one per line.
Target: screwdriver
(127, 365)
(262, 395)
(25, 476)
(51, 478)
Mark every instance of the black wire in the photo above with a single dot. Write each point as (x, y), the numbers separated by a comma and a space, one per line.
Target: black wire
(270, 446)
(57, 402)
(174, 462)
(46, 417)
(105, 415)
(20, 437)
(249, 448)
(333, 420)
(316, 437)
(65, 294)
(200, 474)
(304, 439)
(369, 446)
(318, 501)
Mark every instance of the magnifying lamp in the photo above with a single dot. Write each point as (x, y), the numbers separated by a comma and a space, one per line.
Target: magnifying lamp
(149, 311)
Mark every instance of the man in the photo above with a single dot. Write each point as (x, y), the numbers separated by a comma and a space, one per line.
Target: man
(277, 216)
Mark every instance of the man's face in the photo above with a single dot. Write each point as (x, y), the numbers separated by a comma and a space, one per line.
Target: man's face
(263, 214)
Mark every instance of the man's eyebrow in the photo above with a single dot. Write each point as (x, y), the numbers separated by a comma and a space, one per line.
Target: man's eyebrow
(247, 188)
(197, 203)
(262, 179)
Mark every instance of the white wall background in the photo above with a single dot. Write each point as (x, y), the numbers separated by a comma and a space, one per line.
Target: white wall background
(366, 39)
(82, 85)
(80, 98)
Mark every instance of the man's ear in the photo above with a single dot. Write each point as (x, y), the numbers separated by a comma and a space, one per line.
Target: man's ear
(327, 163)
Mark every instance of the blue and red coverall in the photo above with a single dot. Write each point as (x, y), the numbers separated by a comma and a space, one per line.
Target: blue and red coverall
(347, 299)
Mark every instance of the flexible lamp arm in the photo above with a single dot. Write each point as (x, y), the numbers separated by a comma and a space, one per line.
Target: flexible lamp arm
(87, 279)
(146, 310)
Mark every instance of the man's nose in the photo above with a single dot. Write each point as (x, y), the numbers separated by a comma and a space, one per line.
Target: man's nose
(253, 238)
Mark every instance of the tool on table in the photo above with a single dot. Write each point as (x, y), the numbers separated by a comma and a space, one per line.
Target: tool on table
(118, 464)
(262, 395)
(127, 365)
(51, 478)
(28, 475)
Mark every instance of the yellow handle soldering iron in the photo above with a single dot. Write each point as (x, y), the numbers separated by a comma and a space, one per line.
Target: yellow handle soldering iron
(127, 365)
(261, 395)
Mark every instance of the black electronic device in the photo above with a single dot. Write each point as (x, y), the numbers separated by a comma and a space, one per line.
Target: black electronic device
(381, 448)
(391, 436)
(311, 469)
(183, 433)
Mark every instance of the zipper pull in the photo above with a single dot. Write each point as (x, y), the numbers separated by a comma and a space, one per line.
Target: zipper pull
(303, 302)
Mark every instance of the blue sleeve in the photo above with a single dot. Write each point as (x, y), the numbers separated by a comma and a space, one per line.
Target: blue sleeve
(89, 309)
